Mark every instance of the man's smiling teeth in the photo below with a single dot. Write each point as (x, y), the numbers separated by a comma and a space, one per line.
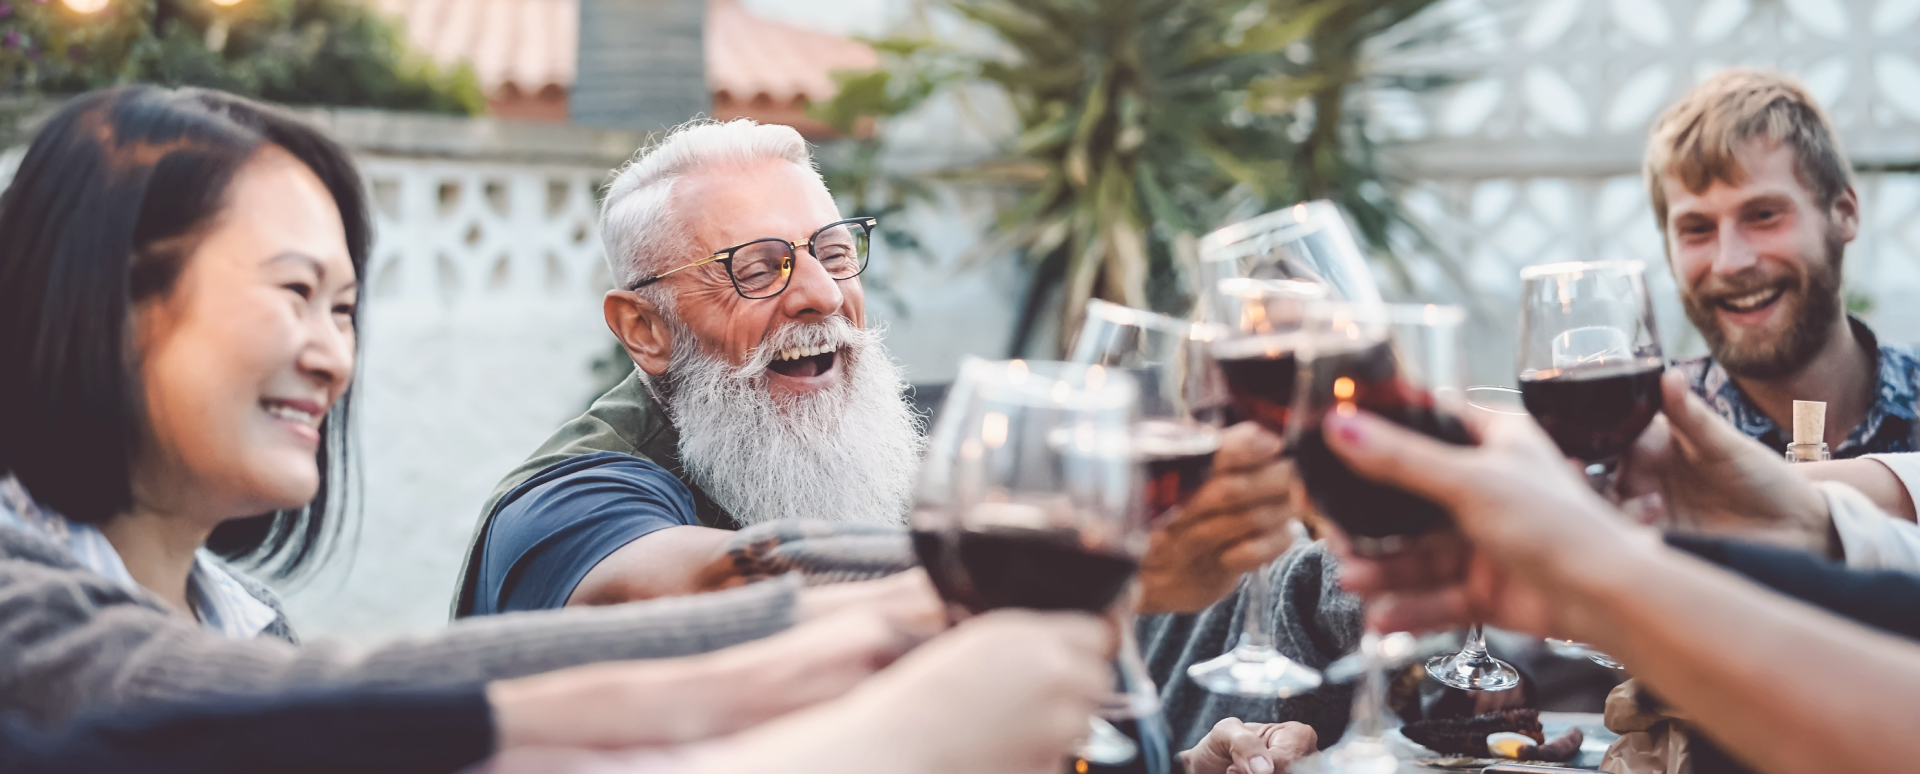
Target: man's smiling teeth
(290, 413)
(796, 354)
(1751, 301)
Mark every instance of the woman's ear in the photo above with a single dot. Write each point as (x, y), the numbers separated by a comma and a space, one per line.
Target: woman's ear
(641, 330)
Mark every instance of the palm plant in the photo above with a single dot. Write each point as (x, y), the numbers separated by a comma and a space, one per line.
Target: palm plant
(1143, 123)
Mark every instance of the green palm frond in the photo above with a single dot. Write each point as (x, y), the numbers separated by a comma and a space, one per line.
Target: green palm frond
(1145, 122)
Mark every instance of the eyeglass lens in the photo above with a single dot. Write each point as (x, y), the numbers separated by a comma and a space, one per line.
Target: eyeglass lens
(762, 268)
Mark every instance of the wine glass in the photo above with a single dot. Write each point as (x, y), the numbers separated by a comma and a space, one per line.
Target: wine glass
(1589, 366)
(1029, 498)
(1182, 398)
(1473, 668)
(1255, 355)
(1363, 748)
(1308, 241)
(1399, 361)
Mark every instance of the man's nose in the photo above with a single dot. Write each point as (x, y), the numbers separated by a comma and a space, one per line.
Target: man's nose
(1735, 253)
(813, 294)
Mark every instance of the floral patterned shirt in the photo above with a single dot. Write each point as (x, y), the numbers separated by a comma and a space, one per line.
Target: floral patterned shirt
(1890, 423)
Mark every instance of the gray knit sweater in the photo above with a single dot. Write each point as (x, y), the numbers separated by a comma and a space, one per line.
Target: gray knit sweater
(71, 639)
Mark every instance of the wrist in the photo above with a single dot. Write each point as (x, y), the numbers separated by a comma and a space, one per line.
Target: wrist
(1591, 583)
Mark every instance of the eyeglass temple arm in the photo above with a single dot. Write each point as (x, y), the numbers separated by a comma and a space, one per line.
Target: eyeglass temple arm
(663, 275)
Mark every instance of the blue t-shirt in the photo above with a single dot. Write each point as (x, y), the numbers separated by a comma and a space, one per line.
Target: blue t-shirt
(549, 531)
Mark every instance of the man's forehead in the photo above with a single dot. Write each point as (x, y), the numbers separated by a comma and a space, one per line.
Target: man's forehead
(733, 203)
(1760, 169)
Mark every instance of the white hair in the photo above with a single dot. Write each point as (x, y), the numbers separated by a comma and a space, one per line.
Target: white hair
(639, 225)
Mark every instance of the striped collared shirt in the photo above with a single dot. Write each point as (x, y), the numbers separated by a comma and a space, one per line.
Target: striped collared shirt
(221, 602)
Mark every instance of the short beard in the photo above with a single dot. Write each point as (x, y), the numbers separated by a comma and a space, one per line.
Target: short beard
(849, 453)
(1802, 339)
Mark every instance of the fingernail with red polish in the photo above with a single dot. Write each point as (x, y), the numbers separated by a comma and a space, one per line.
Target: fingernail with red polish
(1348, 428)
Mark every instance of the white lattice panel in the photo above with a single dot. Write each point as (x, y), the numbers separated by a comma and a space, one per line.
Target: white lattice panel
(460, 232)
(1561, 69)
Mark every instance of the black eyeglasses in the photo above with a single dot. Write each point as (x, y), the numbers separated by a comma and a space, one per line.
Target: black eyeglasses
(763, 267)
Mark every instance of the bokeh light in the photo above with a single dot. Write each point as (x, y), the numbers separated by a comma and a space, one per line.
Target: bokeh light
(86, 6)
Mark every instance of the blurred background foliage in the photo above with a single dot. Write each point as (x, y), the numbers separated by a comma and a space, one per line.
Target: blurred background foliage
(297, 52)
(1143, 124)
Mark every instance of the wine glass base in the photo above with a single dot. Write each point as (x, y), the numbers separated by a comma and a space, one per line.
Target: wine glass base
(1254, 672)
(1106, 746)
(1469, 672)
(1571, 649)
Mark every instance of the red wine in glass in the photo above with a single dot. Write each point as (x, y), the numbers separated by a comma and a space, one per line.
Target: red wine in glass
(1260, 374)
(1178, 457)
(1594, 413)
(992, 567)
(1373, 514)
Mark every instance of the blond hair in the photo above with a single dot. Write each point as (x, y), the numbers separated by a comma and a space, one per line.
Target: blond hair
(1698, 140)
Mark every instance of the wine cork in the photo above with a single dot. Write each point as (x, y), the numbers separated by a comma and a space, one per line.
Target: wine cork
(1809, 421)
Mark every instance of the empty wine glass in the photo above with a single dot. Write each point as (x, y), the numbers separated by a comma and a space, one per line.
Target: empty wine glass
(1589, 367)
(1029, 498)
(1255, 355)
(1473, 668)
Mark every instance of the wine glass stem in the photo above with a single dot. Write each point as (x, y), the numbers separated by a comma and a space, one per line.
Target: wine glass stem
(1476, 645)
(1370, 696)
(1257, 634)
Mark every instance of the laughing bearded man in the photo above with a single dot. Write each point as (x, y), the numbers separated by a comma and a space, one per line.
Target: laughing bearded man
(764, 430)
(1755, 200)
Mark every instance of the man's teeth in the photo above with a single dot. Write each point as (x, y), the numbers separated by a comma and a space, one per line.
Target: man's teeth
(290, 413)
(1751, 301)
(800, 352)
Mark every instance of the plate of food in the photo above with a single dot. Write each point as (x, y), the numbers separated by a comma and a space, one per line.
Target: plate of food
(1571, 740)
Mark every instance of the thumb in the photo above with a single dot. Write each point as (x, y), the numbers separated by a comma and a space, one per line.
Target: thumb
(1689, 418)
(1387, 453)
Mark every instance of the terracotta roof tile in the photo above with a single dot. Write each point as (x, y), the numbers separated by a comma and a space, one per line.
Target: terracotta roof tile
(531, 44)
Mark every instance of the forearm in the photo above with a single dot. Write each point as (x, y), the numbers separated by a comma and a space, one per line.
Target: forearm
(1874, 479)
(671, 562)
(1717, 648)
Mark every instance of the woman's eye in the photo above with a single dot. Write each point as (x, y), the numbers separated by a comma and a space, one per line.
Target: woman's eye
(343, 309)
(300, 289)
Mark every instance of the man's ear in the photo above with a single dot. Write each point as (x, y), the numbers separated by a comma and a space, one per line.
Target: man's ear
(1845, 214)
(641, 330)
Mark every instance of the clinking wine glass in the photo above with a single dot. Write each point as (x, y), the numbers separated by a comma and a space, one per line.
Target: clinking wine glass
(1182, 399)
(1256, 357)
(1589, 367)
(1473, 668)
(1029, 498)
(1309, 241)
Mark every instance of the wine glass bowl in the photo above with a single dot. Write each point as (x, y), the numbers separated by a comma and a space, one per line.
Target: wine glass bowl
(1398, 361)
(1182, 401)
(1309, 241)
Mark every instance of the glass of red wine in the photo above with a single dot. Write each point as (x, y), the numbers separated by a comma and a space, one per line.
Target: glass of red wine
(1473, 668)
(1589, 367)
(1182, 400)
(1399, 361)
(1029, 498)
(1255, 355)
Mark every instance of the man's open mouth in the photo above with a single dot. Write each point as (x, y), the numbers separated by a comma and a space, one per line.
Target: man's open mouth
(804, 362)
(1751, 302)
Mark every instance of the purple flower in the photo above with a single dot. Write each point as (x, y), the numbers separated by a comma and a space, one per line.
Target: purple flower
(6, 10)
(11, 41)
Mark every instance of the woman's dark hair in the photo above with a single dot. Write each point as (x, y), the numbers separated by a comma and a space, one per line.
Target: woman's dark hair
(110, 199)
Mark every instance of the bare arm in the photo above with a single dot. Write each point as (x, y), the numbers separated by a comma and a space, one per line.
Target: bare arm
(1871, 477)
(671, 562)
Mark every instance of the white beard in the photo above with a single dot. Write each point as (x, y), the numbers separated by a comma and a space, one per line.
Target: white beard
(849, 453)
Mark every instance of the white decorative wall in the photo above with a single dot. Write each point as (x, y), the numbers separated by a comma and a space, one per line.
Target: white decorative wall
(1533, 156)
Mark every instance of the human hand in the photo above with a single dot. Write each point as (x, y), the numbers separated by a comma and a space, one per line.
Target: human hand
(1713, 478)
(672, 701)
(1006, 691)
(907, 599)
(1524, 523)
(1235, 523)
(1233, 747)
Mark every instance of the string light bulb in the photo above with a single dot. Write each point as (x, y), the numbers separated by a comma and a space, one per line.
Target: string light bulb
(86, 6)
(225, 2)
